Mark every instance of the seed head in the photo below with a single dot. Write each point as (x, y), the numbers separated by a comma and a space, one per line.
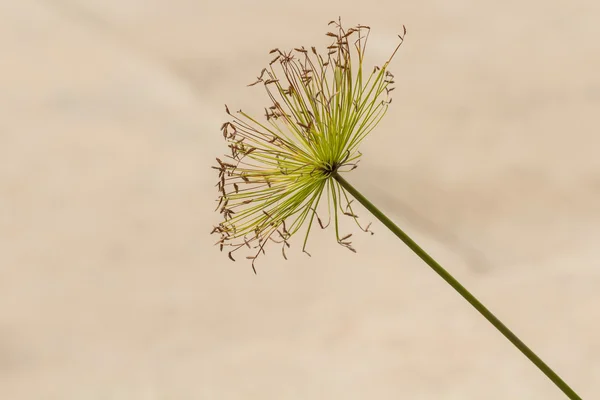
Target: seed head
(280, 166)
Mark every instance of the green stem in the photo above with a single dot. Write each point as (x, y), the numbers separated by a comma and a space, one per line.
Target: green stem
(445, 275)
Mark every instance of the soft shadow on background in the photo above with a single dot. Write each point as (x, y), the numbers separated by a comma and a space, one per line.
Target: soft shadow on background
(111, 288)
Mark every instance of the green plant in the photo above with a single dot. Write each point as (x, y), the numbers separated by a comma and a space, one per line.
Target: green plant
(278, 170)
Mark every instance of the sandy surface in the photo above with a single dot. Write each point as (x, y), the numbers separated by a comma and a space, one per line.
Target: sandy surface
(110, 287)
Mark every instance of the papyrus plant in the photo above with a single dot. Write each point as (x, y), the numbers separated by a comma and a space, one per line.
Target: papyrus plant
(282, 165)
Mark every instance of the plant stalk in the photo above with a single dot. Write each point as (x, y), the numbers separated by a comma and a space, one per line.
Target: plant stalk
(445, 275)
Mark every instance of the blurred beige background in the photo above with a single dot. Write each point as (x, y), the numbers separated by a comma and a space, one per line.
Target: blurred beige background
(110, 287)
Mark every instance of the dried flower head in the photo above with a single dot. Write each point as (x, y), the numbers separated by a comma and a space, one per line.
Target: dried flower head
(322, 107)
